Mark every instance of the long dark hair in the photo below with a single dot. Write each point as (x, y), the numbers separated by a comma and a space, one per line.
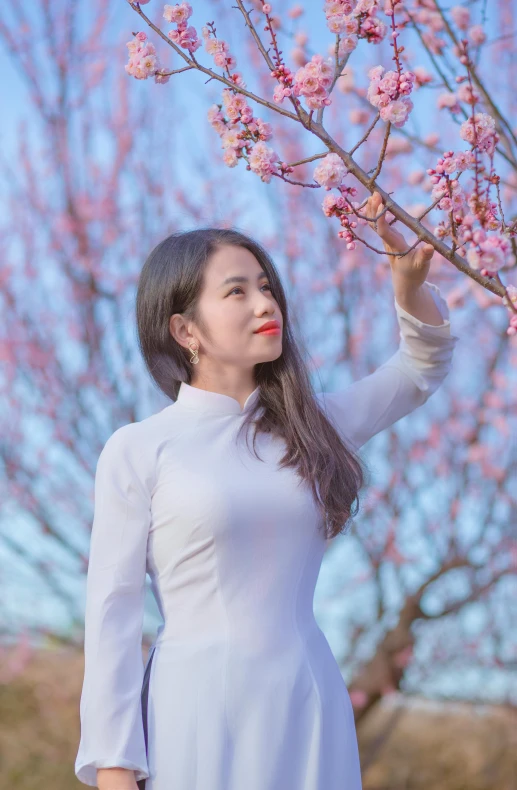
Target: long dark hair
(171, 282)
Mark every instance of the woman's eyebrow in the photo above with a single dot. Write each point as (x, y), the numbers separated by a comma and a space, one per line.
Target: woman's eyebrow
(241, 279)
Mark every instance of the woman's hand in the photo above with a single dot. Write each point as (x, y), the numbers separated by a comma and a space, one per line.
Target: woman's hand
(412, 269)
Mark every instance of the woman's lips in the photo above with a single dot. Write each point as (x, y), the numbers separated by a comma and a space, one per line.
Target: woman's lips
(273, 331)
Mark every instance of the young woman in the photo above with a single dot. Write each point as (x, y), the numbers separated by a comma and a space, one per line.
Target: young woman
(241, 690)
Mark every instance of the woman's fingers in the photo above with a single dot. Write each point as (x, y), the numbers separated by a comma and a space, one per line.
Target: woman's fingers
(374, 208)
(391, 237)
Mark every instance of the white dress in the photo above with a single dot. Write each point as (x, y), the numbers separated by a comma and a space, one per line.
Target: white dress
(244, 692)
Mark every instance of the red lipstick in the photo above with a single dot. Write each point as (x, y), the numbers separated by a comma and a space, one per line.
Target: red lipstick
(269, 328)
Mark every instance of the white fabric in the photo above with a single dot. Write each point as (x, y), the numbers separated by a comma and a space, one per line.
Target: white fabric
(244, 690)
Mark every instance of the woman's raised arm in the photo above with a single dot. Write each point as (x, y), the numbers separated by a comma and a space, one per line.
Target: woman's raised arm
(405, 381)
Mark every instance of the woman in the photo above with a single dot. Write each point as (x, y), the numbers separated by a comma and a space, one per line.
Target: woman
(241, 689)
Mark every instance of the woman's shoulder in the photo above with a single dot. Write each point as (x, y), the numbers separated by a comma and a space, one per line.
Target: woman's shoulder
(143, 432)
(135, 447)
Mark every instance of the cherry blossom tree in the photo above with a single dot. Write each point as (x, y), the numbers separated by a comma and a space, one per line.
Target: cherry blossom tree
(482, 240)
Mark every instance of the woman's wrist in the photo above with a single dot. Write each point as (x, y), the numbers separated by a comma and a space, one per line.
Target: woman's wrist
(116, 779)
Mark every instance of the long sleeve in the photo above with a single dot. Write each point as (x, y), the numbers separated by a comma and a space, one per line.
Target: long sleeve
(405, 381)
(110, 707)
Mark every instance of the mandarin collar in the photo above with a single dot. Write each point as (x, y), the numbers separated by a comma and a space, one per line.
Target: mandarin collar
(213, 402)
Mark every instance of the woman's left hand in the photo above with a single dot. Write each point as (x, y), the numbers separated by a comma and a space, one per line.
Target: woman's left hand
(411, 269)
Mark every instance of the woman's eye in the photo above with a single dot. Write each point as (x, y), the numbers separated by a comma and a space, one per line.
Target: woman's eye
(238, 288)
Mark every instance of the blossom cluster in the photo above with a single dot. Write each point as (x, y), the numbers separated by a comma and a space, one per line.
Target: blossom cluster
(184, 35)
(330, 172)
(238, 143)
(488, 253)
(389, 92)
(220, 52)
(143, 61)
(448, 191)
(353, 21)
(310, 81)
(480, 132)
(471, 220)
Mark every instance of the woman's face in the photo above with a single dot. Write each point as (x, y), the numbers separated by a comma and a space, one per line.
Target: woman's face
(233, 311)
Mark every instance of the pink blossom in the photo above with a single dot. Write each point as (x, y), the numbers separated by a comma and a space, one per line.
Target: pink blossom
(231, 139)
(460, 16)
(262, 160)
(477, 35)
(422, 76)
(490, 254)
(186, 38)
(143, 62)
(335, 13)
(449, 100)
(322, 69)
(350, 27)
(435, 43)
(398, 145)
(432, 138)
(397, 112)
(331, 203)
(280, 93)
(467, 94)
(347, 44)
(216, 119)
(177, 13)
(465, 160)
(358, 116)
(360, 21)
(373, 30)
(309, 84)
(312, 80)
(336, 23)
(449, 165)
(161, 77)
(480, 132)
(264, 129)
(416, 177)
(376, 73)
(365, 6)
(392, 6)
(230, 157)
(389, 92)
(452, 202)
(295, 11)
(330, 172)
(512, 295)
(218, 49)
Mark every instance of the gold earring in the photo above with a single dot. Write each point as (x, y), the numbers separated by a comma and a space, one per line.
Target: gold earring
(194, 358)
